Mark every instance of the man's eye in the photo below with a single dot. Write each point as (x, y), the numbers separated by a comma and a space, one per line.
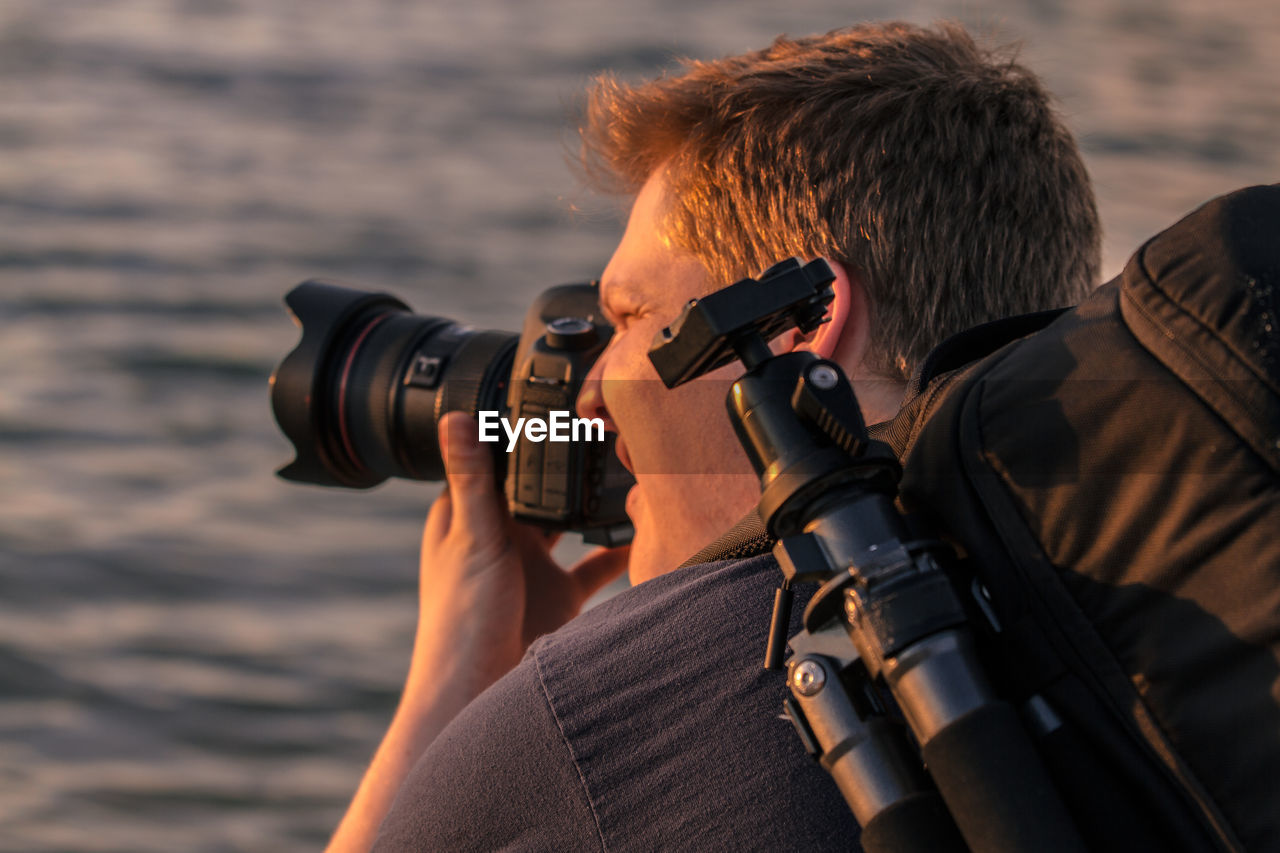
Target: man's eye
(622, 316)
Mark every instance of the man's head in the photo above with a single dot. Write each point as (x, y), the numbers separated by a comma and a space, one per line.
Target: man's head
(936, 169)
(934, 173)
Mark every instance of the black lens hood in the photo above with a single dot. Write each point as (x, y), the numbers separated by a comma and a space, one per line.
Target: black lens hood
(327, 314)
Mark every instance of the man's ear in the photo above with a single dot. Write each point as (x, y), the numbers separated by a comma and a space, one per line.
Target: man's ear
(845, 315)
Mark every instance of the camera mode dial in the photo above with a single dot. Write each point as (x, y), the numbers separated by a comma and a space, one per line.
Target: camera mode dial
(571, 333)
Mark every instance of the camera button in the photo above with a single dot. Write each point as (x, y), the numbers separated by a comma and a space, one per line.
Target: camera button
(426, 371)
(571, 333)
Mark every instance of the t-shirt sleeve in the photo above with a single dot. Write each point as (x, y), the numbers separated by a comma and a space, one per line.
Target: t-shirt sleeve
(499, 777)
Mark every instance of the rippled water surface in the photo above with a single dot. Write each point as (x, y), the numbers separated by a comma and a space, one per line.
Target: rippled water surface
(195, 656)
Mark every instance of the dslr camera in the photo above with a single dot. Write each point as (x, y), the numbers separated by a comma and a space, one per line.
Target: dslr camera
(362, 394)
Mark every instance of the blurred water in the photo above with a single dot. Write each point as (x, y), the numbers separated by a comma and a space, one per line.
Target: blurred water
(194, 655)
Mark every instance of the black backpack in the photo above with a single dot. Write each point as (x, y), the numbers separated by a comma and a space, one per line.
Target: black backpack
(1115, 481)
(1111, 476)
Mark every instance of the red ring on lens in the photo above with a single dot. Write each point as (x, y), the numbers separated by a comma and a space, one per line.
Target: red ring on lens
(343, 432)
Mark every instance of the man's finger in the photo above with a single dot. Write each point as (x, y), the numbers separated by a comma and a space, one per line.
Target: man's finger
(599, 568)
(534, 542)
(468, 468)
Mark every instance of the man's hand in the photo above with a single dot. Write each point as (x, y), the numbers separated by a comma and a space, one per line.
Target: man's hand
(487, 588)
(488, 584)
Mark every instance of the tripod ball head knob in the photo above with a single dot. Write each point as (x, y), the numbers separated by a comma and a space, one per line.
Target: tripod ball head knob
(822, 377)
(738, 321)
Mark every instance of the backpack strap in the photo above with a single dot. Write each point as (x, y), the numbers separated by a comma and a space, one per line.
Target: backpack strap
(979, 342)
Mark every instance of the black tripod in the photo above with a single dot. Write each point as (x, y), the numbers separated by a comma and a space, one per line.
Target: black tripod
(886, 615)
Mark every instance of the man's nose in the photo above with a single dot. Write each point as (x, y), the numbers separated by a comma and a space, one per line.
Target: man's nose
(591, 396)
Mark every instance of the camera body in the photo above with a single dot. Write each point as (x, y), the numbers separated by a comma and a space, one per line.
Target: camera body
(362, 393)
(570, 485)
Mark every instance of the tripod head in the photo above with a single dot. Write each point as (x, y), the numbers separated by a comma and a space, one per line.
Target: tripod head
(739, 321)
(795, 414)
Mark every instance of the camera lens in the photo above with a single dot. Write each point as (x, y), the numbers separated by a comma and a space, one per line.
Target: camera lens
(362, 394)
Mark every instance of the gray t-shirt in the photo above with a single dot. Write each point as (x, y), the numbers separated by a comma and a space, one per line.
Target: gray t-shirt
(645, 724)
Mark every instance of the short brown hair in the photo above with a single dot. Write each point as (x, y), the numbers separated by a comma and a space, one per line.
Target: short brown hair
(937, 169)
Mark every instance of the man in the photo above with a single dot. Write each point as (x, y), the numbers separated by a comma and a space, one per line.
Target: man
(936, 179)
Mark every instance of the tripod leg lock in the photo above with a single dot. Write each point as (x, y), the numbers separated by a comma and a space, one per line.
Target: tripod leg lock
(887, 617)
(868, 755)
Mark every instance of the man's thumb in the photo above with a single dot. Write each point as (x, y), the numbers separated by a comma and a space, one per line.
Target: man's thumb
(468, 468)
(599, 568)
